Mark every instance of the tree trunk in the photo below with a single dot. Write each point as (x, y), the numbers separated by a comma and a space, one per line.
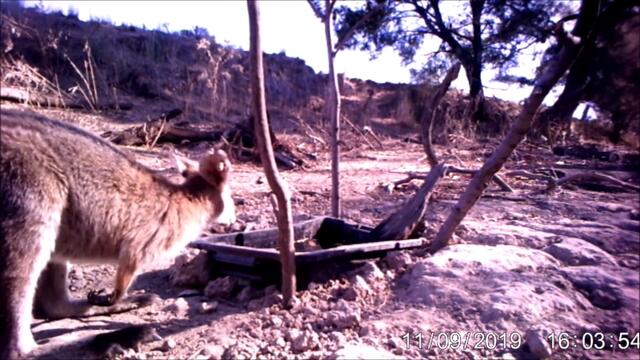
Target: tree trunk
(473, 70)
(334, 116)
(429, 115)
(555, 68)
(277, 184)
(475, 75)
(559, 114)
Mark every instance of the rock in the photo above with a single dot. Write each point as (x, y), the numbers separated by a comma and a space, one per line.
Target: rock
(281, 342)
(398, 260)
(271, 289)
(191, 271)
(394, 342)
(360, 351)
(167, 345)
(178, 307)
(604, 300)
(361, 285)
(338, 338)
(364, 331)
(276, 321)
(116, 350)
(295, 302)
(189, 293)
(538, 347)
(208, 307)
(223, 287)
(370, 271)
(350, 294)
(273, 299)
(573, 251)
(245, 294)
(607, 287)
(305, 340)
(342, 320)
(313, 286)
(240, 351)
(308, 310)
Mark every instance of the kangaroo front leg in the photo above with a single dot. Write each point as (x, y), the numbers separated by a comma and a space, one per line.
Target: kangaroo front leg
(124, 276)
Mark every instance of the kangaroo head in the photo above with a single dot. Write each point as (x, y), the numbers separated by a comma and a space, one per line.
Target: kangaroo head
(213, 172)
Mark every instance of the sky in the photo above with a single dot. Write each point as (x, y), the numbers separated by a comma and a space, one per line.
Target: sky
(288, 26)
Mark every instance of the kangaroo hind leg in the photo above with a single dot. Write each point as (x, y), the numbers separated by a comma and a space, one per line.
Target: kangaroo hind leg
(26, 244)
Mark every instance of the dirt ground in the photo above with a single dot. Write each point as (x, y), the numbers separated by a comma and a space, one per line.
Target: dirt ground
(523, 268)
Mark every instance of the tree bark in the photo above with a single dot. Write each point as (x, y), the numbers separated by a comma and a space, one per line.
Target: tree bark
(555, 68)
(277, 184)
(475, 78)
(334, 114)
(428, 116)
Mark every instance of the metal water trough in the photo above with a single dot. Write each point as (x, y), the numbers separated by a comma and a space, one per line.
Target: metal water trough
(320, 242)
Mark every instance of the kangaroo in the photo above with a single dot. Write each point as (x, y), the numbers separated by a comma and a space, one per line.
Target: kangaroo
(67, 195)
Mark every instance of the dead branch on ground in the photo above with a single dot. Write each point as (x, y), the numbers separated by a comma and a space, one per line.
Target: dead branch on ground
(157, 129)
(454, 169)
(402, 223)
(31, 98)
(554, 182)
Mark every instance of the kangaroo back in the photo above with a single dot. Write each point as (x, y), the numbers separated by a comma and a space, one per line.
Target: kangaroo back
(66, 194)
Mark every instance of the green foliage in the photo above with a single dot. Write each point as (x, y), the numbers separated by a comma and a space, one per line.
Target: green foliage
(506, 29)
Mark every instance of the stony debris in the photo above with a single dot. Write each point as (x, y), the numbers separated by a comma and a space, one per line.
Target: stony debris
(190, 270)
(245, 294)
(341, 319)
(223, 287)
(189, 293)
(606, 287)
(168, 344)
(178, 306)
(371, 272)
(241, 350)
(398, 260)
(304, 340)
(538, 346)
(572, 251)
(360, 351)
(208, 307)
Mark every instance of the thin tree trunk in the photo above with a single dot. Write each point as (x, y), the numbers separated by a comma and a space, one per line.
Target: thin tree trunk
(429, 116)
(475, 109)
(544, 82)
(334, 114)
(277, 184)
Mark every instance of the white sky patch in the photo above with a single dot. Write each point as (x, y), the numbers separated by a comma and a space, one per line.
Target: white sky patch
(288, 26)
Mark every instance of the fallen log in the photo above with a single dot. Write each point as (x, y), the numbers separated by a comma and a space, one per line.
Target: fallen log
(155, 130)
(453, 169)
(402, 223)
(581, 178)
(26, 97)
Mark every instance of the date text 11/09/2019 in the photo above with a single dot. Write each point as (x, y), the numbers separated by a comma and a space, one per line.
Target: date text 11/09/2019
(504, 341)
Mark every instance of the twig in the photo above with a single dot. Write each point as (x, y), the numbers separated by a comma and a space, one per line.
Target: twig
(370, 131)
(360, 132)
(155, 140)
(496, 178)
(592, 175)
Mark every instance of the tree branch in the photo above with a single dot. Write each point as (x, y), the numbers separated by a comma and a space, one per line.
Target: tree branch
(316, 9)
(555, 68)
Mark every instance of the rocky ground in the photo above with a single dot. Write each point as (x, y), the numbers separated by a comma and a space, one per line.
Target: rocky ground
(523, 270)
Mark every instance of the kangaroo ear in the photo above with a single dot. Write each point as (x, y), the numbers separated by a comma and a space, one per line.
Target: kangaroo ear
(215, 167)
(186, 167)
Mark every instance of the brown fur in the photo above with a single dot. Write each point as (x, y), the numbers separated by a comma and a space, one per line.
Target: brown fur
(68, 195)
